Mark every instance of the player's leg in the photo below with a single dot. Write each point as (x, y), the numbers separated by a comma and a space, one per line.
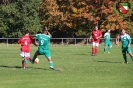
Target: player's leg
(125, 58)
(27, 55)
(23, 62)
(124, 54)
(48, 56)
(23, 59)
(131, 55)
(105, 47)
(109, 47)
(130, 52)
(50, 63)
(96, 48)
(34, 57)
(40, 51)
(93, 48)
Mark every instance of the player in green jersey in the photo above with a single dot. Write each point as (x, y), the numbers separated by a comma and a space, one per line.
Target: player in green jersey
(126, 41)
(107, 42)
(43, 47)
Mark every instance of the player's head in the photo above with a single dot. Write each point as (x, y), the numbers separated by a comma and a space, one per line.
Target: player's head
(96, 27)
(123, 31)
(108, 30)
(44, 31)
(39, 32)
(27, 32)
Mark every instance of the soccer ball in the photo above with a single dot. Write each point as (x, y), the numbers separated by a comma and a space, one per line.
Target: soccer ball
(36, 61)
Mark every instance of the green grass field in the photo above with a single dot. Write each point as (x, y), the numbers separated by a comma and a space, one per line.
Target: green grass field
(80, 69)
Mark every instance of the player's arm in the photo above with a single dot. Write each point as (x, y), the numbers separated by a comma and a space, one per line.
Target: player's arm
(105, 35)
(48, 33)
(33, 40)
(90, 38)
(129, 44)
(100, 35)
(129, 39)
(19, 41)
(35, 43)
(32, 36)
(118, 40)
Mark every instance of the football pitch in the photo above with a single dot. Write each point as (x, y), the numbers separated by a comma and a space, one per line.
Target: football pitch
(79, 68)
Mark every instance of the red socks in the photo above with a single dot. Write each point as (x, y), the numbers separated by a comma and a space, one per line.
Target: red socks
(27, 58)
(94, 50)
(23, 64)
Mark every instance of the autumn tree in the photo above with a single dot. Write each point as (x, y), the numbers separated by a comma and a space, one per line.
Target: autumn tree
(64, 18)
(78, 17)
(107, 18)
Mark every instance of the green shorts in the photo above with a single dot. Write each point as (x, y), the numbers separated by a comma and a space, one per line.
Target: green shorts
(45, 52)
(107, 44)
(126, 49)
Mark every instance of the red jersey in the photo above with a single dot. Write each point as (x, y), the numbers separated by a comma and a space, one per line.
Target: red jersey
(25, 43)
(95, 34)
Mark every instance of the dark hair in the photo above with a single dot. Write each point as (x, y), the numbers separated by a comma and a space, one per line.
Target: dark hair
(27, 31)
(44, 29)
(39, 32)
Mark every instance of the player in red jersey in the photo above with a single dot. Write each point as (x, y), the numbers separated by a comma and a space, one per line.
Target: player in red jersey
(95, 37)
(25, 42)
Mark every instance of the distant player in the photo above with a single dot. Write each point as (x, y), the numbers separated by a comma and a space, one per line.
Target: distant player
(95, 37)
(25, 42)
(43, 47)
(107, 42)
(126, 41)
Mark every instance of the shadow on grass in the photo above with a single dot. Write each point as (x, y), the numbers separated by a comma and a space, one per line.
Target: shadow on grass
(88, 53)
(80, 54)
(108, 62)
(19, 67)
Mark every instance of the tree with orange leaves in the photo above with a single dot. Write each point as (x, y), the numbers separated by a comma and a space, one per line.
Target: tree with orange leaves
(78, 18)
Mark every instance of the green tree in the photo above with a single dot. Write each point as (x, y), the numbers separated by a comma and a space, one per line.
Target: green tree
(18, 16)
(64, 18)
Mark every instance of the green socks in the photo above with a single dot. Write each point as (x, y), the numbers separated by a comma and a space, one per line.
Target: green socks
(125, 58)
(51, 64)
(108, 49)
(104, 49)
(132, 57)
(24, 60)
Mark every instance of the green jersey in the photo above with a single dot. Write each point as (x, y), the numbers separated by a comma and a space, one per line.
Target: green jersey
(125, 40)
(43, 40)
(107, 37)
